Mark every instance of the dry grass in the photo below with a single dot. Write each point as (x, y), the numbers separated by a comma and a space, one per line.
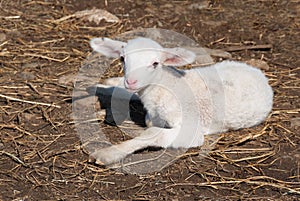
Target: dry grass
(40, 152)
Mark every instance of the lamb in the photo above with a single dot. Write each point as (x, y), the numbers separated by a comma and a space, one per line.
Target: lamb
(183, 105)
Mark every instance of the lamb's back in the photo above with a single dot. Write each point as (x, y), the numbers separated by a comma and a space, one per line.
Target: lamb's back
(236, 95)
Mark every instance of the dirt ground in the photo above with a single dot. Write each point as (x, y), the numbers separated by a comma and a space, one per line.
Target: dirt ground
(41, 157)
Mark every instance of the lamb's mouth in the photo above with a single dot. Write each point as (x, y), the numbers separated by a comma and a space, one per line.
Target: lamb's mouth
(135, 90)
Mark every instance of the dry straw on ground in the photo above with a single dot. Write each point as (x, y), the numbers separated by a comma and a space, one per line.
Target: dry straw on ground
(41, 154)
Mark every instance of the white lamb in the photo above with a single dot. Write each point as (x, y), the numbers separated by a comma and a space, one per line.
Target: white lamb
(183, 106)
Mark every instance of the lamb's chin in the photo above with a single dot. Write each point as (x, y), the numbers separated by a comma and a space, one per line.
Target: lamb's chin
(135, 90)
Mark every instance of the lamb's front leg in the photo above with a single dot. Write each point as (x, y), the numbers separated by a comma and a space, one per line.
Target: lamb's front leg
(118, 102)
(151, 137)
(105, 91)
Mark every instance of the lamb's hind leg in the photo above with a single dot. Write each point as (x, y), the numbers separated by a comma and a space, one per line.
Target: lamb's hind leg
(151, 137)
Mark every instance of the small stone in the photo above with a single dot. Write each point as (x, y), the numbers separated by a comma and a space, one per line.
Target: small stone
(67, 79)
(28, 116)
(258, 64)
(1, 145)
(215, 23)
(30, 65)
(14, 33)
(199, 6)
(2, 37)
(295, 122)
(26, 75)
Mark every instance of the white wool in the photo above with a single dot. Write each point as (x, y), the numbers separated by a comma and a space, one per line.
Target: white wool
(226, 96)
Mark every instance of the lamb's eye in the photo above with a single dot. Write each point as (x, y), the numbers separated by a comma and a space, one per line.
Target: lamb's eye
(155, 64)
(122, 59)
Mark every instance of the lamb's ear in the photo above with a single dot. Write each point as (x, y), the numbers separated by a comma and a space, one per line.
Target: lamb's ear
(177, 57)
(107, 47)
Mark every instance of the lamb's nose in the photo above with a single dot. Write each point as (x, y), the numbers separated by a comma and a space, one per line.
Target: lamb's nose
(131, 82)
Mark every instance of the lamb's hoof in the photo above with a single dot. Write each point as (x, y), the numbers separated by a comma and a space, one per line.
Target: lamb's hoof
(94, 160)
(107, 156)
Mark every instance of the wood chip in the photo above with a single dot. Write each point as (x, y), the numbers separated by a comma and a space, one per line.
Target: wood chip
(96, 15)
(218, 53)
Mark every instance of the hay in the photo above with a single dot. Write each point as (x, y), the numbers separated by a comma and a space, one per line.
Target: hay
(40, 152)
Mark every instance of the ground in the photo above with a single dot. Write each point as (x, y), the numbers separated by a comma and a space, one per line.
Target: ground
(41, 157)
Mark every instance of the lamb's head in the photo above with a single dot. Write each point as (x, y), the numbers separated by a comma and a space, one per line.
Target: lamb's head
(142, 59)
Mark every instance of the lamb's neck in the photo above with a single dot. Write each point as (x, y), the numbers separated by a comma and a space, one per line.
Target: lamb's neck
(166, 79)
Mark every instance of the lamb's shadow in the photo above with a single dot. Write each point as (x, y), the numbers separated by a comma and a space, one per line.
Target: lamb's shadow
(119, 105)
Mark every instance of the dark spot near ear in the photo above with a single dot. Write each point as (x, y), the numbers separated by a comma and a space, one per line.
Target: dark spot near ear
(155, 64)
(174, 71)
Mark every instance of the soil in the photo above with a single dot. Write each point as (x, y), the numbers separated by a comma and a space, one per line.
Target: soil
(41, 157)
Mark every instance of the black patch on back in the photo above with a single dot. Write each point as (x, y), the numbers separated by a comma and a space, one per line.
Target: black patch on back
(174, 71)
